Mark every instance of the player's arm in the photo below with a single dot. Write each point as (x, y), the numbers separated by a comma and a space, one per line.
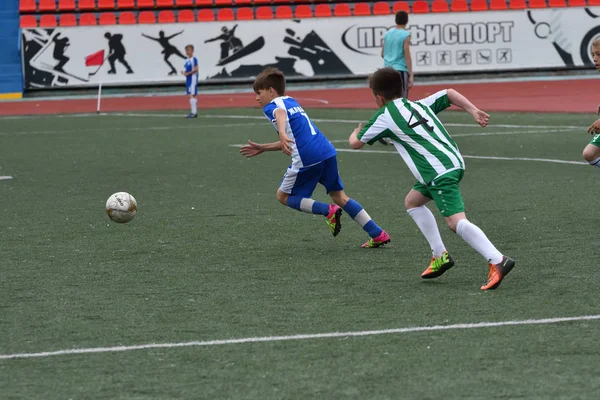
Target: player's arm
(355, 143)
(193, 71)
(370, 133)
(408, 58)
(481, 117)
(253, 149)
(281, 119)
(594, 129)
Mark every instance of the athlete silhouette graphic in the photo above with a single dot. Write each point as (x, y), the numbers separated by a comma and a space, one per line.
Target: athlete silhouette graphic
(168, 49)
(116, 52)
(230, 42)
(60, 46)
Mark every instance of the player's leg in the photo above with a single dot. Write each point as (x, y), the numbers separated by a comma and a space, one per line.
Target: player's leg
(193, 106)
(404, 84)
(192, 91)
(591, 152)
(379, 237)
(415, 206)
(448, 198)
(297, 187)
(333, 184)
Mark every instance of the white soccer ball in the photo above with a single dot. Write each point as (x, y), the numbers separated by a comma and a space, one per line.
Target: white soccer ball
(121, 207)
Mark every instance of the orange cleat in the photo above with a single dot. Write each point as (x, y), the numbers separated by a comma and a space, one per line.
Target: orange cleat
(498, 272)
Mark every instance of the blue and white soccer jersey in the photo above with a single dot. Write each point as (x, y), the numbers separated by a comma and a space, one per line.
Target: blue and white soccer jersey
(191, 81)
(313, 156)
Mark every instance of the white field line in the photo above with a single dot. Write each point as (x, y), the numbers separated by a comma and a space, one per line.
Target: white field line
(313, 336)
(225, 116)
(548, 160)
(132, 129)
(5, 178)
(322, 101)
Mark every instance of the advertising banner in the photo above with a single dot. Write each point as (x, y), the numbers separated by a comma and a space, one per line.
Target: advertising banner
(307, 48)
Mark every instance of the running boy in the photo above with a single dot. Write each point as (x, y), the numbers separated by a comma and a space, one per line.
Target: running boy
(191, 80)
(395, 50)
(434, 159)
(313, 160)
(591, 152)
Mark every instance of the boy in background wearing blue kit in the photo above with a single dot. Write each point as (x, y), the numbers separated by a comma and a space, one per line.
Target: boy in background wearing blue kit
(191, 80)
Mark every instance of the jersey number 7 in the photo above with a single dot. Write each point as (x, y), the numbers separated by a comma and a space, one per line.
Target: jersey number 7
(414, 114)
(312, 128)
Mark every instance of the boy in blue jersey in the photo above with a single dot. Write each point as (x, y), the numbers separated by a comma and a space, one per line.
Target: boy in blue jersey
(313, 160)
(191, 80)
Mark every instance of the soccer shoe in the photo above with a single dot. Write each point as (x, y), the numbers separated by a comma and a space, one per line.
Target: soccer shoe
(380, 240)
(498, 272)
(438, 266)
(334, 219)
(192, 115)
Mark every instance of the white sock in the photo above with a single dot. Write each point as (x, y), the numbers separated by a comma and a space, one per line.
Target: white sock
(306, 205)
(595, 163)
(475, 237)
(194, 105)
(426, 223)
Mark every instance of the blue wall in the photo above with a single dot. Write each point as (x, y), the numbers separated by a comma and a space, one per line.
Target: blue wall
(11, 72)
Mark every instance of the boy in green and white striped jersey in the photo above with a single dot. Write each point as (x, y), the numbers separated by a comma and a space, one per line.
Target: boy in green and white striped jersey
(435, 161)
(591, 152)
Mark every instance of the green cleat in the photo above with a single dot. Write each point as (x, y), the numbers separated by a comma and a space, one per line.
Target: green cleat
(438, 266)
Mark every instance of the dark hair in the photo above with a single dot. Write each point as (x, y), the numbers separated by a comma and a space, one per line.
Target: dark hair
(401, 18)
(190, 46)
(387, 83)
(270, 78)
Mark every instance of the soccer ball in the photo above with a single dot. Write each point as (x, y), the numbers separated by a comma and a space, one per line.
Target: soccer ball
(121, 207)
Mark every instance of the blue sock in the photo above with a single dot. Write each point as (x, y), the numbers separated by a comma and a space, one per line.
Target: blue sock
(360, 216)
(308, 205)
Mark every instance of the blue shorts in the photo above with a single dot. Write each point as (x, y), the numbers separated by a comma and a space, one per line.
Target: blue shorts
(192, 85)
(304, 181)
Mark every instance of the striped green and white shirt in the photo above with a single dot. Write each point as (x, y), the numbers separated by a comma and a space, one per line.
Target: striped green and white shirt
(418, 135)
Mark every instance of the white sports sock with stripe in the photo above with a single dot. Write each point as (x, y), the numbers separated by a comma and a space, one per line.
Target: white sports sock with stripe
(194, 105)
(425, 220)
(595, 163)
(475, 237)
